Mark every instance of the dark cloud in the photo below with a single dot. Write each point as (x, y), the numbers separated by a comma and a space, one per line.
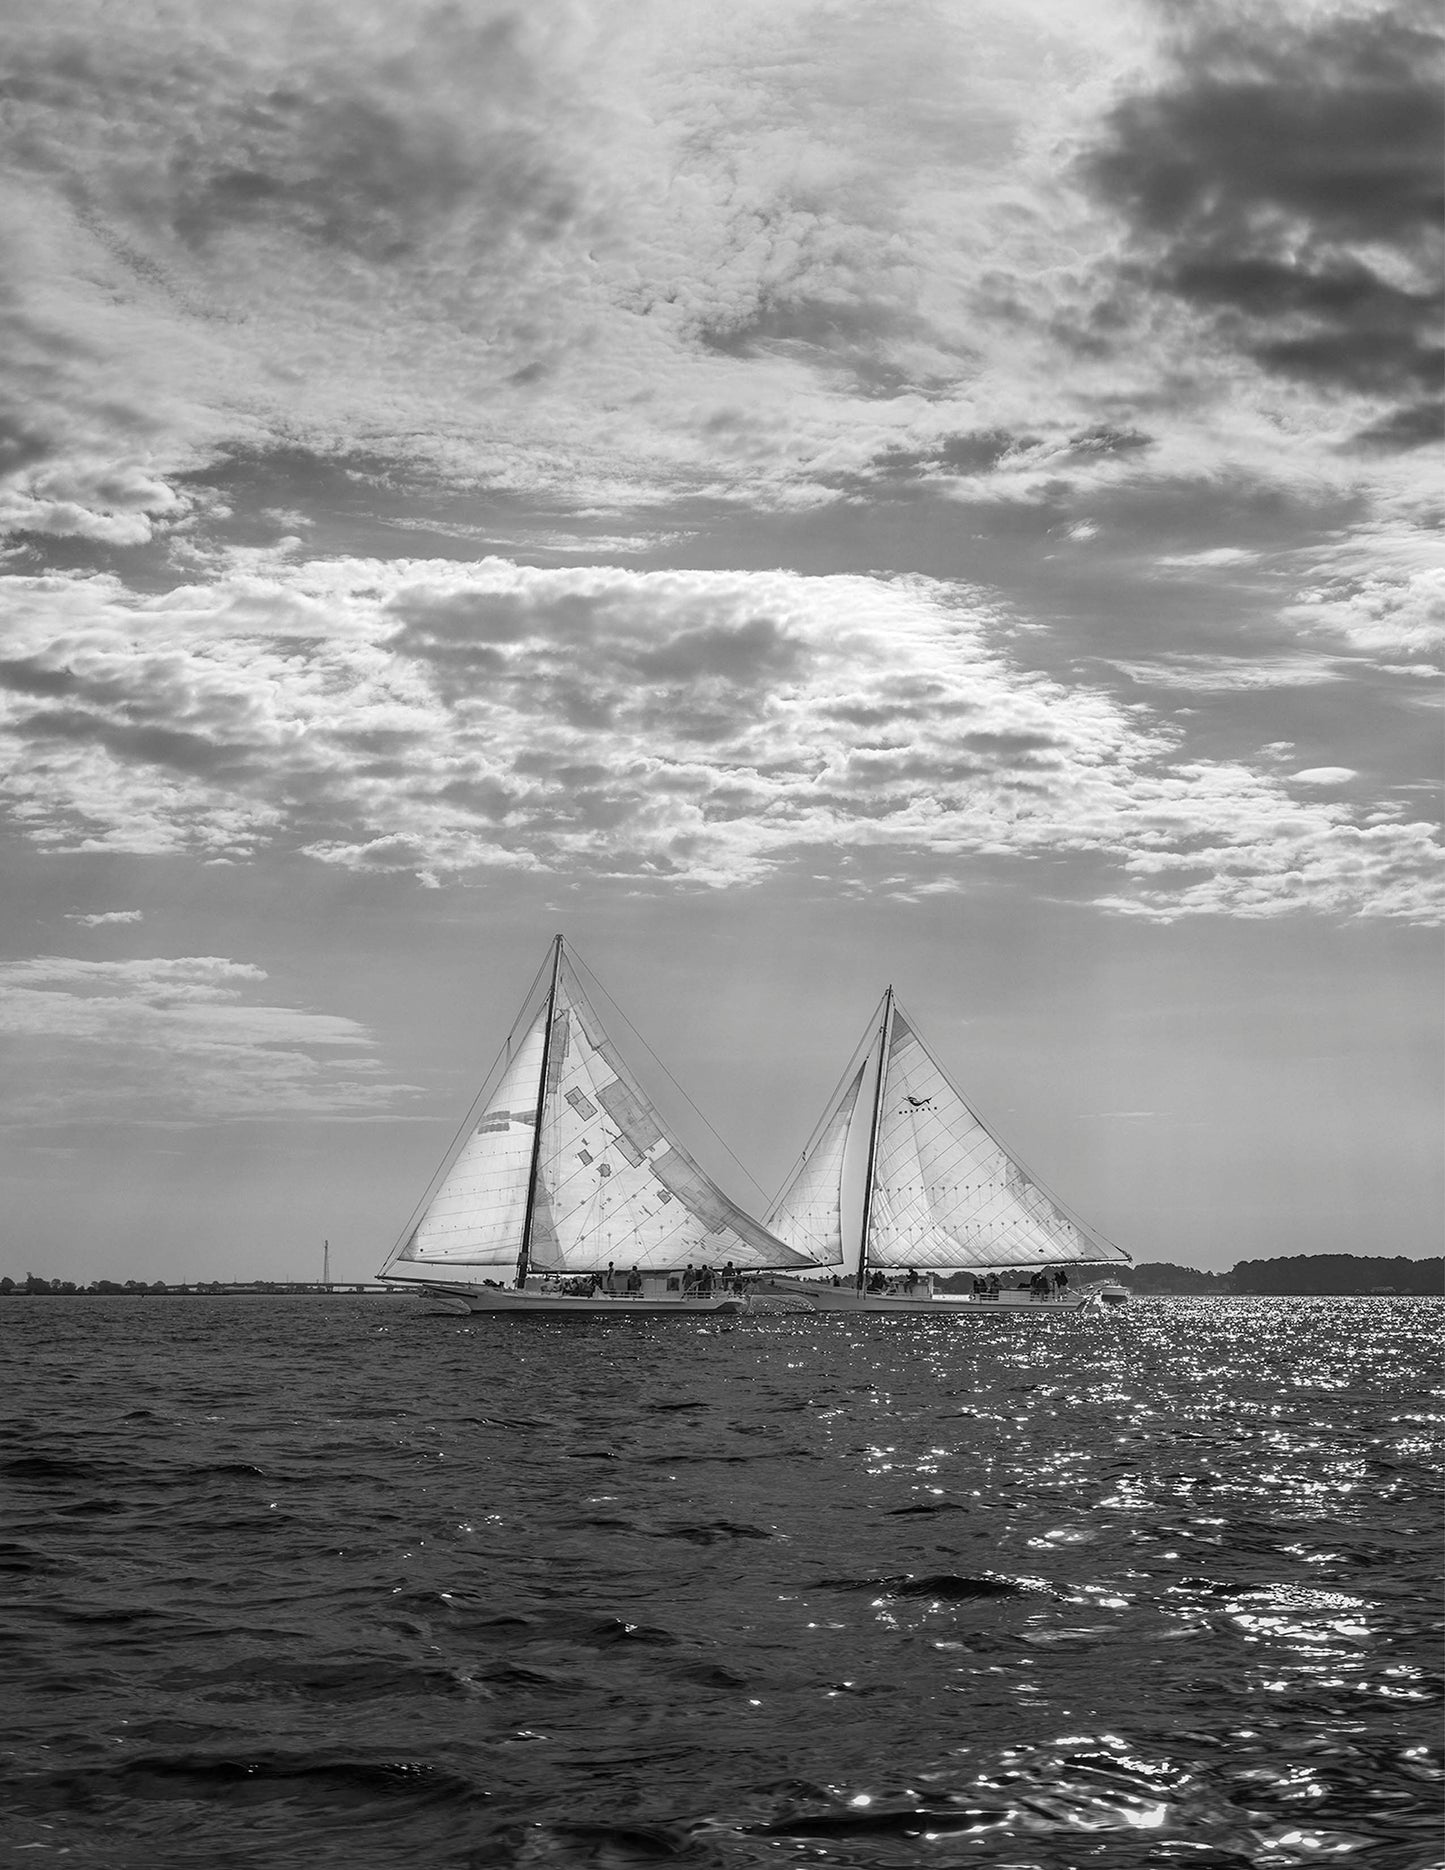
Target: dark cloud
(357, 173)
(1410, 427)
(977, 452)
(193, 754)
(25, 675)
(755, 649)
(854, 336)
(21, 445)
(1099, 444)
(1288, 183)
(351, 156)
(595, 657)
(961, 457)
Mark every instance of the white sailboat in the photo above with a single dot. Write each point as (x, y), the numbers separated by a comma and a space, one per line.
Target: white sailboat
(903, 1185)
(570, 1196)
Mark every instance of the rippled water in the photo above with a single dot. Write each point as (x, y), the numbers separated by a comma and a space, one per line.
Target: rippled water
(346, 1582)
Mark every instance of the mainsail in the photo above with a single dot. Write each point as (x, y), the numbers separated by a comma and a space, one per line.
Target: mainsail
(571, 1170)
(477, 1215)
(939, 1192)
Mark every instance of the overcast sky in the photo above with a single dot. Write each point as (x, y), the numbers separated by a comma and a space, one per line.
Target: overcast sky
(795, 496)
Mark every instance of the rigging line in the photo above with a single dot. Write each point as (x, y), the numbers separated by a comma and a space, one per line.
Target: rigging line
(494, 1071)
(1090, 1233)
(830, 1109)
(595, 986)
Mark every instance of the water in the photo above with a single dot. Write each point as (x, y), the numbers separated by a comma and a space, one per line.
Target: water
(345, 1582)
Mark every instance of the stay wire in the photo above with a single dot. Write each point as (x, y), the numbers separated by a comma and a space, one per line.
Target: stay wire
(830, 1109)
(595, 985)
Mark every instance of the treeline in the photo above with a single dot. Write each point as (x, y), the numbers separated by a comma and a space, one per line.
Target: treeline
(32, 1284)
(1299, 1275)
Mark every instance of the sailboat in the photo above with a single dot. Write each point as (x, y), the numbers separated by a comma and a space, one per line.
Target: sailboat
(569, 1195)
(903, 1185)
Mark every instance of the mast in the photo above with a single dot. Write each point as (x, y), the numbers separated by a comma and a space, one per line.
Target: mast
(886, 1033)
(523, 1255)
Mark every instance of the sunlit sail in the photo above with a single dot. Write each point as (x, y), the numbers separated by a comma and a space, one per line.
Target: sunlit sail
(936, 1191)
(571, 1171)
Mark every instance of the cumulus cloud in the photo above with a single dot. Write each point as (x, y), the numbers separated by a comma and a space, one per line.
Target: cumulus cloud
(185, 1039)
(1380, 594)
(777, 254)
(112, 504)
(1284, 184)
(1280, 860)
(102, 917)
(698, 727)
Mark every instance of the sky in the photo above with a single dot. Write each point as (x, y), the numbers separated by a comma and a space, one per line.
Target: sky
(793, 495)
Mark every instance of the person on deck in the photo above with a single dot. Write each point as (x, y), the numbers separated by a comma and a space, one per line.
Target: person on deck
(634, 1281)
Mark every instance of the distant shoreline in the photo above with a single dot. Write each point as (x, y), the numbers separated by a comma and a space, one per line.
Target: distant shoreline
(1299, 1276)
(371, 1291)
(220, 1289)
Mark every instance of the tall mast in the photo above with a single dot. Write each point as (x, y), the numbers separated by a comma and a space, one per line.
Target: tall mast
(885, 1035)
(525, 1253)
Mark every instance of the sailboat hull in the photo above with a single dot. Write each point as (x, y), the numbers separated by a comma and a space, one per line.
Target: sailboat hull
(516, 1304)
(758, 1297)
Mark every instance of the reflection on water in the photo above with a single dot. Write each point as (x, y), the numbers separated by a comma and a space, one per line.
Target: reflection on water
(339, 1582)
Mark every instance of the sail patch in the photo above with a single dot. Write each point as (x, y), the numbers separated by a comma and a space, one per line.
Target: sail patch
(696, 1193)
(582, 1104)
(557, 1052)
(631, 1115)
(630, 1153)
(591, 1026)
(502, 1120)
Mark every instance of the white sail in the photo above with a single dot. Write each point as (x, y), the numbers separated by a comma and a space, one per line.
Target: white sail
(809, 1212)
(613, 1187)
(475, 1219)
(945, 1194)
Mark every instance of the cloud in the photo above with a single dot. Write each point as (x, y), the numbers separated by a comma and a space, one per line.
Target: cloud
(1379, 591)
(1284, 184)
(102, 917)
(182, 1038)
(112, 504)
(1207, 674)
(694, 728)
(774, 256)
(1286, 861)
